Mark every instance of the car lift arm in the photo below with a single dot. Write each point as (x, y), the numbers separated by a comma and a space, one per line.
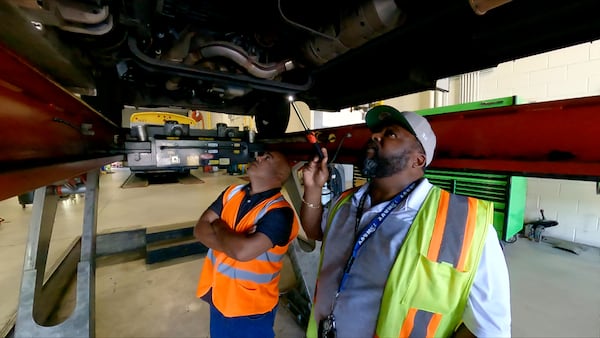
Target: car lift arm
(47, 133)
(557, 139)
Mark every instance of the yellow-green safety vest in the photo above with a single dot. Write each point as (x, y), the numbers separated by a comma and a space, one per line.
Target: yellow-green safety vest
(429, 283)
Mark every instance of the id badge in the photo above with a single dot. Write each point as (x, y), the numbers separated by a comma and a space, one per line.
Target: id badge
(327, 327)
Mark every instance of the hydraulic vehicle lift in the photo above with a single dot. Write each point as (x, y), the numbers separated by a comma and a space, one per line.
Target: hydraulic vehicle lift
(548, 139)
(49, 135)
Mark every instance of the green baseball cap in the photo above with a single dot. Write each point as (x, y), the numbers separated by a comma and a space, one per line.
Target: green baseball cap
(383, 115)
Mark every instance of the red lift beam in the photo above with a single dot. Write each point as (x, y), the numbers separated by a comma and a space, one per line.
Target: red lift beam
(47, 133)
(550, 139)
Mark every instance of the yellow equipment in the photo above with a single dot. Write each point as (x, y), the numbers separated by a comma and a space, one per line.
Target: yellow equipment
(142, 118)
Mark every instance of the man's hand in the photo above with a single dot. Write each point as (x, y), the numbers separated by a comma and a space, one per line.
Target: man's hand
(314, 176)
(242, 246)
(219, 225)
(205, 232)
(315, 173)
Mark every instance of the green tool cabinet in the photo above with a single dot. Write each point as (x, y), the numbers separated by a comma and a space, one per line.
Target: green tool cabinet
(507, 192)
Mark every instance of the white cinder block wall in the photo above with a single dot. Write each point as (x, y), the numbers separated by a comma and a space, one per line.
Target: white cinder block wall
(566, 73)
(561, 74)
(574, 204)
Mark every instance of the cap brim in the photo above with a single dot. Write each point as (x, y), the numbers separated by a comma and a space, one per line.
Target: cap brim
(380, 116)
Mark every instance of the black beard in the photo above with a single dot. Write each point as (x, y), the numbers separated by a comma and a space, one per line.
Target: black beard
(386, 167)
(369, 168)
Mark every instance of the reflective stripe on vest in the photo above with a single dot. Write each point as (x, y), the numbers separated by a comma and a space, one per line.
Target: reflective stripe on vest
(245, 288)
(262, 211)
(453, 230)
(228, 195)
(232, 272)
(429, 284)
(420, 323)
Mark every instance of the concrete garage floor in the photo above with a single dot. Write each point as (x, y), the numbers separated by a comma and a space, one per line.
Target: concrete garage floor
(555, 293)
(134, 299)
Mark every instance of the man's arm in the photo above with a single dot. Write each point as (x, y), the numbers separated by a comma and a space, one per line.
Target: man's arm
(214, 233)
(310, 216)
(240, 246)
(488, 312)
(314, 176)
(204, 232)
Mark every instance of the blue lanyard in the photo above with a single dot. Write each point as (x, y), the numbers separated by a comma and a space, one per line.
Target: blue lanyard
(370, 229)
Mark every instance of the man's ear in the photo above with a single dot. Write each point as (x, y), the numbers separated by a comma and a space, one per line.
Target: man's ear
(420, 160)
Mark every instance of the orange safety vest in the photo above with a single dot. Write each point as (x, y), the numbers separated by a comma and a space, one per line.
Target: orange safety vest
(245, 288)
